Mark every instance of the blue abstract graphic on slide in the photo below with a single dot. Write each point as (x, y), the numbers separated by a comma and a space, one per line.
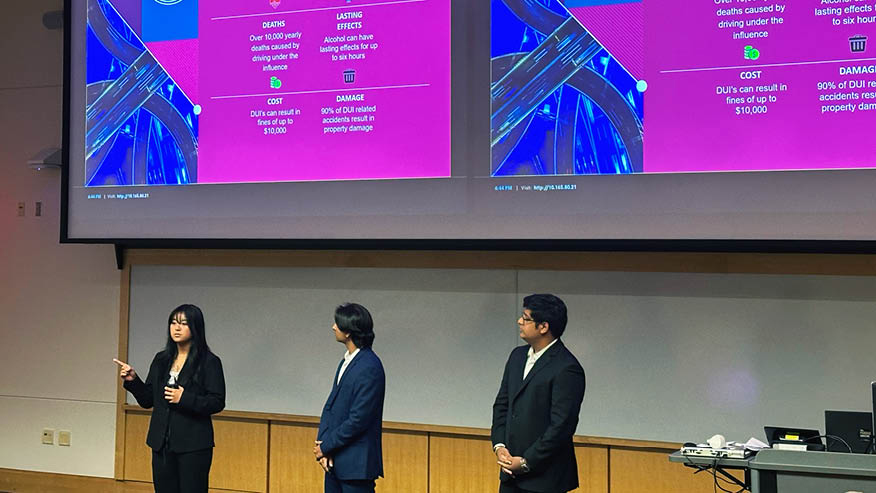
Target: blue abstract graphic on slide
(141, 129)
(561, 103)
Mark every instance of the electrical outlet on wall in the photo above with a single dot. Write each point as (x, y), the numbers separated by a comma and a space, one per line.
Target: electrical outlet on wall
(48, 436)
(21, 209)
(64, 437)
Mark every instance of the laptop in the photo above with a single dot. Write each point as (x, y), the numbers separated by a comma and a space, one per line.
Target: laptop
(855, 427)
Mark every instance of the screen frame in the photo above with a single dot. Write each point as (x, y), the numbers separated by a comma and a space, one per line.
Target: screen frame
(474, 244)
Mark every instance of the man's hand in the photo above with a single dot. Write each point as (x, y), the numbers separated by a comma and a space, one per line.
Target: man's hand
(326, 463)
(511, 466)
(502, 455)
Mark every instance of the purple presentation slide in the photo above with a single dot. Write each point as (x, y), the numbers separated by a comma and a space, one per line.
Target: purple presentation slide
(741, 85)
(676, 86)
(231, 91)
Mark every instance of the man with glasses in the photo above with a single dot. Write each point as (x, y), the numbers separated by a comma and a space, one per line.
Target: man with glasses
(536, 409)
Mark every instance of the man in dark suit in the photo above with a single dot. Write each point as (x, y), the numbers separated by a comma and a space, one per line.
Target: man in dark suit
(348, 444)
(536, 409)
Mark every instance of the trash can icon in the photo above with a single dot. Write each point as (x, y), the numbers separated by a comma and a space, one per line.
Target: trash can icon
(349, 76)
(858, 44)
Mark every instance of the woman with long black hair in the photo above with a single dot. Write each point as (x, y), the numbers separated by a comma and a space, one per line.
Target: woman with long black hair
(185, 386)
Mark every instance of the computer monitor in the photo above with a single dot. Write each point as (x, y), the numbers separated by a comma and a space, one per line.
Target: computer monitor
(855, 427)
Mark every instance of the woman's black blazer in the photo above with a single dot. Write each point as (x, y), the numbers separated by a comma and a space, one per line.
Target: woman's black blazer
(187, 425)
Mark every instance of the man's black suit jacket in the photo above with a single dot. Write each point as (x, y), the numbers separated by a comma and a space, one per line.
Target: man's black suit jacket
(188, 425)
(536, 418)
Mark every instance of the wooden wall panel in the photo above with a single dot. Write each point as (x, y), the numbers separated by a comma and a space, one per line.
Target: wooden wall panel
(405, 463)
(294, 470)
(292, 466)
(458, 465)
(634, 471)
(240, 459)
(138, 456)
(462, 465)
(592, 469)
(468, 465)
(253, 456)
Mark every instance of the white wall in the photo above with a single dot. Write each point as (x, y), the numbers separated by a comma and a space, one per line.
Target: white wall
(443, 334)
(668, 356)
(58, 303)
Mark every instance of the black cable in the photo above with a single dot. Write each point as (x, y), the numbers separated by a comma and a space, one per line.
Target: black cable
(715, 478)
(834, 438)
(696, 466)
(714, 469)
(720, 478)
(699, 468)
